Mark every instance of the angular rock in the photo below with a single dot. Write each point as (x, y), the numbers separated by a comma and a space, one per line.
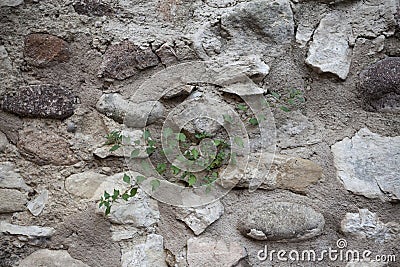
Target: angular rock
(92, 8)
(270, 20)
(330, 50)
(3, 142)
(11, 3)
(10, 178)
(205, 251)
(86, 184)
(198, 219)
(366, 224)
(36, 205)
(42, 101)
(285, 172)
(134, 115)
(31, 232)
(303, 35)
(149, 253)
(12, 200)
(282, 221)
(10, 125)
(45, 147)
(51, 258)
(43, 50)
(367, 164)
(125, 59)
(380, 85)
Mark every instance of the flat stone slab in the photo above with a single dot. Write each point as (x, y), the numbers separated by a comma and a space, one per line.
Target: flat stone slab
(40, 101)
(28, 231)
(51, 258)
(282, 221)
(12, 200)
(368, 164)
(10, 178)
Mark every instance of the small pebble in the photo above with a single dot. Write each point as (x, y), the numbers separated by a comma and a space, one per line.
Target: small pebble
(71, 127)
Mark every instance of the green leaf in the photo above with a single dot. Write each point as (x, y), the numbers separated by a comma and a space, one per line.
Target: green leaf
(114, 147)
(195, 153)
(101, 204)
(140, 179)
(238, 141)
(161, 167)
(242, 107)
(106, 195)
(214, 175)
(301, 99)
(286, 109)
(133, 192)
(168, 151)
(233, 158)
(146, 165)
(290, 101)
(168, 132)
(151, 143)
(108, 210)
(275, 95)
(253, 121)
(155, 184)
(175, 170)
(137, 142)
(135, 153)
(192, 179)
(227, 118)
(150, 150)
(181, 137)
(146, 134)
(126, 179)
(217, 142)
(115, 195)
(125, 196)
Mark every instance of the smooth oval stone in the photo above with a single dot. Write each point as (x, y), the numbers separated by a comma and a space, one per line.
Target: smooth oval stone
(282, 221)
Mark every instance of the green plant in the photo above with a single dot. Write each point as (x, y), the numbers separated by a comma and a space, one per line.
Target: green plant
(114, 138)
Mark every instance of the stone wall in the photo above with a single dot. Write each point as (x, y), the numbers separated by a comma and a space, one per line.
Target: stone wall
(69, 73)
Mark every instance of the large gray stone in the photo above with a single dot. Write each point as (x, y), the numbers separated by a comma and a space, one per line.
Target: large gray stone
(368, 164)
(380, 85)
(12, 200)
(205, 251)
(30, 232)
(42, 101)
(282, 221)
(198, 219)
(366, 224)
(51, 258)
(135, 115)
(10, 178)
(147, 254)
(330, 50)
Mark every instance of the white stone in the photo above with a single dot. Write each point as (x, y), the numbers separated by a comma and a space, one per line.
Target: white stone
(11, 3)
(368, 164)
(303, 35)
(198, 219)
(366, 224)
(330, 50)
(37, 205)
(10, 178)
(212, 252)
(51, 258)
(28, 231)
(147, 254)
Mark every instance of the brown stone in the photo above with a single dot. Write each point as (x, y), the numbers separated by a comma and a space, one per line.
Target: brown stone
(125, 59)
(10, 125)
(43, 50)
(45, 147)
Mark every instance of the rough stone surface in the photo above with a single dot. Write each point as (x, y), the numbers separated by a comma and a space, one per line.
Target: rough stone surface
(136, 115)
(330, 50)
(43, 50)
(366, 224)
(92, 8)
(43, 101)
(149, 253)
(125, 59)
(282, 221)
(366, 264)
(205, 251)
(45, 147)
(37, 205)
(10, 178)
(367, 164)
(29, 231)
(88, 238)
(3, 142)
(285, 172)
(11, 3)
(380, 85)
(198, 219)
(10, 125)
(12, 200)
(85, 185)
(51, 258)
